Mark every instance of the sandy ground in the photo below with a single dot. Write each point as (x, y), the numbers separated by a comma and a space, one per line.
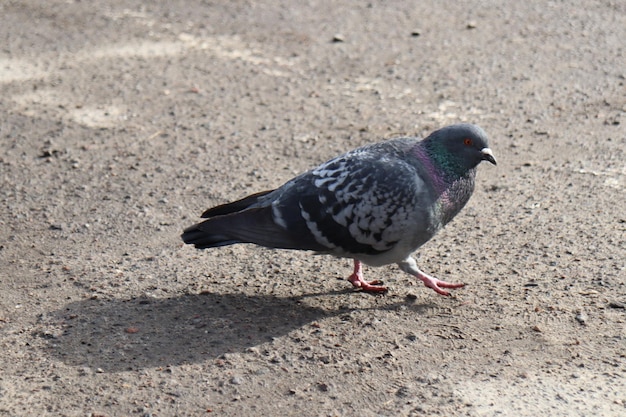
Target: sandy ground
(121, 122)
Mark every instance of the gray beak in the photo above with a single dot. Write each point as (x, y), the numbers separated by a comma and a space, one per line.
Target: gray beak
(488, 155)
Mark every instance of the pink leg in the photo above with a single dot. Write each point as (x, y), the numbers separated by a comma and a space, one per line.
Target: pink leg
(409, 265)
(357, 280)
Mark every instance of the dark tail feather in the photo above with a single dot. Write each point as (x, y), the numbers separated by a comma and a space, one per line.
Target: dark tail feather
(207, 235)
(202, 240)
(254, 225)
(235, 206)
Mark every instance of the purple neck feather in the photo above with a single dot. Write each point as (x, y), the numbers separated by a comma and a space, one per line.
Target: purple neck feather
(432, 171)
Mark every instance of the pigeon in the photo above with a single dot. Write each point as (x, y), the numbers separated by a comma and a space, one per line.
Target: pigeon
(376, 204)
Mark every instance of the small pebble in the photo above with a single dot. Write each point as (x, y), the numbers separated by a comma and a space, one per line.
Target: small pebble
(85, 371)
(323, 387)
(403, 392)
(261, 371)
(429, 379)
(236, 380)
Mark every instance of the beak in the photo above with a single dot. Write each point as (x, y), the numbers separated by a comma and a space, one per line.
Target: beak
(488, 155)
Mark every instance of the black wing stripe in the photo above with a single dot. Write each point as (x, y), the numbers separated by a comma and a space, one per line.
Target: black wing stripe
(332, 231)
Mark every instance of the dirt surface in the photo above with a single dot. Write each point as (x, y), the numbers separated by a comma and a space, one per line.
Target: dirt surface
(121, 122)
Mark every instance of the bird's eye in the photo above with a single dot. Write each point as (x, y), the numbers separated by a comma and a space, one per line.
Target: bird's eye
(467, 141)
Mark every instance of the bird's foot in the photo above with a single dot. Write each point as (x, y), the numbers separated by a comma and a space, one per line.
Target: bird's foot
(409, 265)
(357, 280)
(371, 286)
(437, 284)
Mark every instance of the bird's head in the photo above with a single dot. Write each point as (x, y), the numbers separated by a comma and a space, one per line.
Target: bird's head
(460, 147)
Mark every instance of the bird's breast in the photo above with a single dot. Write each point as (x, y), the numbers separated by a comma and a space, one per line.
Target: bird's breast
(453, 199)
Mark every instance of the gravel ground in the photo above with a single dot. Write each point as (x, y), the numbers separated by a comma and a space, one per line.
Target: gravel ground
(120, 122)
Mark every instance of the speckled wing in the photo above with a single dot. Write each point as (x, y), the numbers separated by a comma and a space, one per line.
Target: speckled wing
(363, 202)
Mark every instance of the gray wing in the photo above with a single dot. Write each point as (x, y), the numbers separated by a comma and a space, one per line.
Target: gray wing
(363, 202)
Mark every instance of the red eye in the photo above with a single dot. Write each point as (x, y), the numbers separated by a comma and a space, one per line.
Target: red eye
(467, 141)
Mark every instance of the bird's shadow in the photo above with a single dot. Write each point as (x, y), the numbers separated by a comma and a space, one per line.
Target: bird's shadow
(125, 334)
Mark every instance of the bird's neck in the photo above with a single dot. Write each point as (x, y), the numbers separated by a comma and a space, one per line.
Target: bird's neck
(450, 165)
(443, 168)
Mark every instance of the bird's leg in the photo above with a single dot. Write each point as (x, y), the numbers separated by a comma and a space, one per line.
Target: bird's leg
(410, 266)
(357, 280)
